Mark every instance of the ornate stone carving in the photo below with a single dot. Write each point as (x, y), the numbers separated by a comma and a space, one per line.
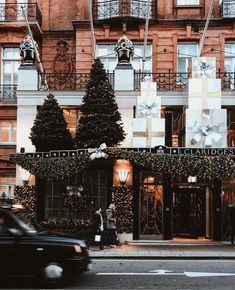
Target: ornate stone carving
(63, 63)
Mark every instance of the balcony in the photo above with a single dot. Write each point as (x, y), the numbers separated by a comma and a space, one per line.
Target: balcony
(123, 9)
(8, 93)
(13, 12)
(166, 81)
(227, 9)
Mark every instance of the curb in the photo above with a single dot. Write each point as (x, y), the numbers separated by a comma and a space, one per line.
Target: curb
(124, 257)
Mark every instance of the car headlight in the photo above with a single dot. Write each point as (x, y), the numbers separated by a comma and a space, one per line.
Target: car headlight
(77, 248)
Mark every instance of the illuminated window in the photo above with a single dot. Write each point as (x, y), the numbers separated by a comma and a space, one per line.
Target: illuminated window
(7, 131)
(72, 117)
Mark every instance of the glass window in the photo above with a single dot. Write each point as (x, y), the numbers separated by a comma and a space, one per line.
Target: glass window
(7, 185)
(20, 4)
(188, 2)
(108, 56)
(96, 181)
(2, 9)
(11, 63)
(229, 57)
(7, 131)
(185, 52)
(72, 117)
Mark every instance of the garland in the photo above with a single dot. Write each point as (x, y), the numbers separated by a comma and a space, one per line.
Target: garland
(122, 197)
(205, 167)
(26, 196)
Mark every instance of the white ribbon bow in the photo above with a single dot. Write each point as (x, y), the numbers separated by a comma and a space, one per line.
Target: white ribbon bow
(99, 153)
(206, 135)
(149, 109)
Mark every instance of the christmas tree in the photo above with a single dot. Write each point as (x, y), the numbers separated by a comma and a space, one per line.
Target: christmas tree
(49, 131)
(100, 121)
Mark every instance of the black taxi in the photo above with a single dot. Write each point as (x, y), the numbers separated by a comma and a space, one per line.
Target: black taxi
(24, 252)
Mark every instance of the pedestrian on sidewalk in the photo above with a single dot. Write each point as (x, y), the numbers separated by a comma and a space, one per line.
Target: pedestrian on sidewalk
(231, 209)
(111, 219)
(97, 228)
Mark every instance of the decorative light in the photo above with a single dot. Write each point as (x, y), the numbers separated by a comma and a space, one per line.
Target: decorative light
(122, 174)
(25, 175)
(192, 178)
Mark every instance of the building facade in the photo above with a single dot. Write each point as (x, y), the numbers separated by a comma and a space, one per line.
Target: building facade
(69, 36)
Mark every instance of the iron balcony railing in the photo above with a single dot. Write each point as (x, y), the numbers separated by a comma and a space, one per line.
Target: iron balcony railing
(124, 8)
(67, 81)
(11, 12)
(8, 93)
(227, 9)
(166, 81)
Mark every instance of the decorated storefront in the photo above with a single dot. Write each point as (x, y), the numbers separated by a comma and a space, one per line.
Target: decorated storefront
(173, 192)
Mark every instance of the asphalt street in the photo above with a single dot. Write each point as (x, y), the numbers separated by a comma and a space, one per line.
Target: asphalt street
(147, 274)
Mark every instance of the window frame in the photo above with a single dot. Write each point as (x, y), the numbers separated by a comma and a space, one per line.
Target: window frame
(11, 134)
(113, 56)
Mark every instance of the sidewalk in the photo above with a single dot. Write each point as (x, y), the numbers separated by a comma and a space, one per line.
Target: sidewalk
(166, 250)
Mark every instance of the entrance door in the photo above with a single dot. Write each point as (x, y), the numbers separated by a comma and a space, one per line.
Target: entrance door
(189, 213)
(151, 201)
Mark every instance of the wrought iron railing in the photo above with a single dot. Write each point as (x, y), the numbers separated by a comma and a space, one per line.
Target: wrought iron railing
(67, 81)
(124, 8)
(8, 93)
(11, 12)
(227, 9)
(166, 81)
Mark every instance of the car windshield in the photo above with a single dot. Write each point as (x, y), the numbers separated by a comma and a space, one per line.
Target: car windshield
(29, 228)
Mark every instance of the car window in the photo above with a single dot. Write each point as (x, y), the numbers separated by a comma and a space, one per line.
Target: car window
(7, 223)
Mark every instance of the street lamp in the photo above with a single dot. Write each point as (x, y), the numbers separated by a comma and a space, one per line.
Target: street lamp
(25, 175)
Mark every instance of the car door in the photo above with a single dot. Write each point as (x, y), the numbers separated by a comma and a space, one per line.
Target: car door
(18, 250)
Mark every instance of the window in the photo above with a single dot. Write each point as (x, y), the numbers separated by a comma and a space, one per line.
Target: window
(7, 185)
(22, 4)
(11, 63)
(2, 9)
(7, 131)
(108, 56)
(96, 182)
(229, 65)
(185, 52)
(188, 2)
(229, 57)
(72, 117)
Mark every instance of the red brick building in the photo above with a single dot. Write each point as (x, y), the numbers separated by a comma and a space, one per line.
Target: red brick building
(65, 30)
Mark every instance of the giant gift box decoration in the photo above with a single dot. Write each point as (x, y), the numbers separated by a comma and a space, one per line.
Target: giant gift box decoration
(148, 126)
(206, 122)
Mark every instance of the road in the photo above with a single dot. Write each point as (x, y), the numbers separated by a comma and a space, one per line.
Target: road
(148, 274)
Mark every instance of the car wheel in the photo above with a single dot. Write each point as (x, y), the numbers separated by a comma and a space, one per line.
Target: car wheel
(52, 275)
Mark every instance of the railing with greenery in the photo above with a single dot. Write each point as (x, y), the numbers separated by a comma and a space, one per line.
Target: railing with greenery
(13, 11)
(124, 8)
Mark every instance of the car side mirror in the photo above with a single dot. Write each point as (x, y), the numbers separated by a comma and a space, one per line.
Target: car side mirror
(15, 232)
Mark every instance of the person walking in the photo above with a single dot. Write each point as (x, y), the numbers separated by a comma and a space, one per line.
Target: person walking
(97, 228)
(112, 238)
(232, 222)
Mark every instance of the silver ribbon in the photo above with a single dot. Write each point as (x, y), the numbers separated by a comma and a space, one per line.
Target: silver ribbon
(98, 153)
(149, 108)
(206, 133)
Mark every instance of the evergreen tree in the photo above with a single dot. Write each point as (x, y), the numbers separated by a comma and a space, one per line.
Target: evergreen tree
(100, 121)
(49, 131)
